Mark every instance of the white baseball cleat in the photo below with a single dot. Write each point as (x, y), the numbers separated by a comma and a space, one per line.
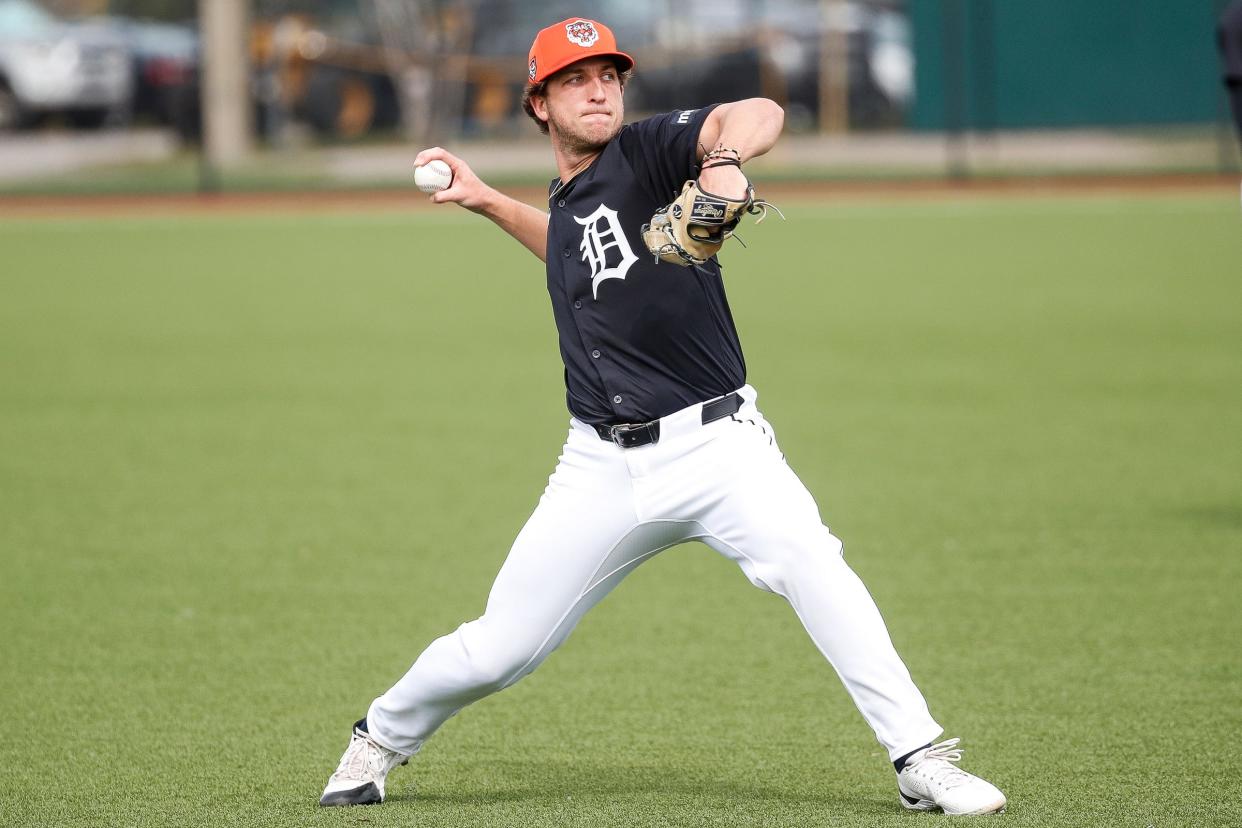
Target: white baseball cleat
(930, 780)
(359, 779)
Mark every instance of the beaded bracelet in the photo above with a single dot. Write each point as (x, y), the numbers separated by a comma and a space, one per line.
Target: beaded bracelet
(728, 157)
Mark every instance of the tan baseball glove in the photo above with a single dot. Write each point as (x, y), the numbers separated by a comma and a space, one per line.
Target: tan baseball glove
(694, 227)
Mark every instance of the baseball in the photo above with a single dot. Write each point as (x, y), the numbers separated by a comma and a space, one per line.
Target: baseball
(433, 177)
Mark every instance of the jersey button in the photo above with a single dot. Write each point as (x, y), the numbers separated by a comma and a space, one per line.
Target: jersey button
(595, 353)
(577, 304)
(560, 203)
(565, 252)
(617, 399)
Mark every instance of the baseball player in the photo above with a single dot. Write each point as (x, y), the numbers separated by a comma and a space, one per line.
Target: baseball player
(666, 443)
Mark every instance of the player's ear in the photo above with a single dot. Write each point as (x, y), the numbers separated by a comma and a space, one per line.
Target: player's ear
(539, 104)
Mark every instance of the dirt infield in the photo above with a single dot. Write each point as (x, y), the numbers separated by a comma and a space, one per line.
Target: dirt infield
(333, 201)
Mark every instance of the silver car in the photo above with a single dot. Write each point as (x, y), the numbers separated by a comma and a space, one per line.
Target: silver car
(51, 66)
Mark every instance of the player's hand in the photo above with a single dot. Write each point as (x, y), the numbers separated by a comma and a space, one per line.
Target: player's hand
(726, 181)
(467, 189)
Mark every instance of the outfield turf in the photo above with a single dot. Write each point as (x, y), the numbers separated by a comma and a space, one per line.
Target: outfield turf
(251, 465)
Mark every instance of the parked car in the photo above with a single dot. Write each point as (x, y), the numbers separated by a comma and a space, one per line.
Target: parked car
(52, 66)
(334, 81)
(163, 60)
(776, 49)
(708, 50)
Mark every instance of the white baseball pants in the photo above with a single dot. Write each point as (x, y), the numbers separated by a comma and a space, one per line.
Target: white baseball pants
(608, 509)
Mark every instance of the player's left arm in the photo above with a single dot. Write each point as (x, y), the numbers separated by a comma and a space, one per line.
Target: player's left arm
(751, 127)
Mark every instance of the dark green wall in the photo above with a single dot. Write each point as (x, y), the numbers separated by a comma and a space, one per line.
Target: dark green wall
(1059, 63)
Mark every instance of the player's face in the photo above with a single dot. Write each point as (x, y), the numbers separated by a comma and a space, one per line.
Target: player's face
(584, 105)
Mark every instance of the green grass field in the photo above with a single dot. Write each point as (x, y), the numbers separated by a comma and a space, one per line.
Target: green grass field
(251, 465)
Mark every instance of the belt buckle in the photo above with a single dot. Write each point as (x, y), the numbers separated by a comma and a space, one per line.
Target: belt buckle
(617, 433)
(624, 435)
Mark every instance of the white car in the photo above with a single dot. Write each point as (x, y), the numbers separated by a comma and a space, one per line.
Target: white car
(51, 66)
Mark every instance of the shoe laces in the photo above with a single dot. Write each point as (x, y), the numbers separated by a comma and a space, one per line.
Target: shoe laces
(363, 759)
(936, 765)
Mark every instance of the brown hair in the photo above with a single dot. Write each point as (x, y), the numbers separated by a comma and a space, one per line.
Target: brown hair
(541, 90)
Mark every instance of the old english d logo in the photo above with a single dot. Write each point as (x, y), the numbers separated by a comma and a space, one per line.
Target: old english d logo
(601, 235)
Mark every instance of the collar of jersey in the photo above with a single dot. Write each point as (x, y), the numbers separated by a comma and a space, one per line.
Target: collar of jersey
(561, 187)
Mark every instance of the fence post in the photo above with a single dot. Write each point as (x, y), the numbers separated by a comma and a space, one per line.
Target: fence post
(953, 44)
(225, 72)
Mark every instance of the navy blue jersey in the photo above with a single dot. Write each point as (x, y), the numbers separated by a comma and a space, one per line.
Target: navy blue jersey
(639, 339)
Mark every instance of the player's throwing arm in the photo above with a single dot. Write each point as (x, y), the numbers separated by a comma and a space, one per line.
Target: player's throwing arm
(461, 186)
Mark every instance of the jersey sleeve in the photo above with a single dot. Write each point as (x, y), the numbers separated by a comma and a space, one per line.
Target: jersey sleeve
(661, 150)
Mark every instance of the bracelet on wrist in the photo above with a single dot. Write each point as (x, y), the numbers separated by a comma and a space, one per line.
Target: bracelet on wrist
(721, 155)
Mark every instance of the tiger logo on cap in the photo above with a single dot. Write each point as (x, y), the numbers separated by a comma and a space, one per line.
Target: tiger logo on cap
(582, 32)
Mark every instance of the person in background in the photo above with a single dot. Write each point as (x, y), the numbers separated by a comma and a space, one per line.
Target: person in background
(1229, 40)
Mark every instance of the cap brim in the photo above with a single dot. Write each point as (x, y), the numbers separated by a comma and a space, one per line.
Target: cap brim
(624, 63)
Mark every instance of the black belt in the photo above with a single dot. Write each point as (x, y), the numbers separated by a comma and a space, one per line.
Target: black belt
(633, 435)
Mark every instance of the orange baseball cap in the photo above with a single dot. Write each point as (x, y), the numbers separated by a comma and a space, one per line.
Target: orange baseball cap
(570, 41)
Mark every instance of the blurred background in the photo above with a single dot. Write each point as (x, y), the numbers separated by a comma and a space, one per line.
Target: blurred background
(177, 95)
